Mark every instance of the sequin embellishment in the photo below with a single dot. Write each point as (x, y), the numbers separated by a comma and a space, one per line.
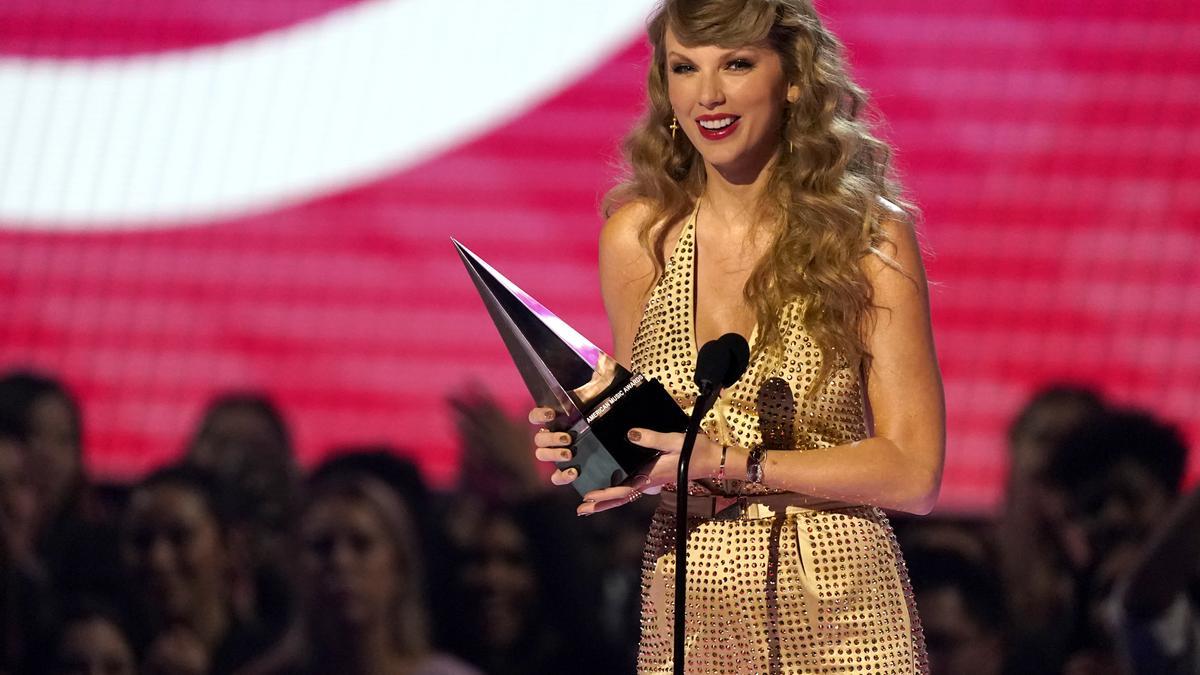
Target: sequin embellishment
(802, 591)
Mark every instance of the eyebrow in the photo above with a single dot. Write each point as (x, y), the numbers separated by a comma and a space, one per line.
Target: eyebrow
(727, 54)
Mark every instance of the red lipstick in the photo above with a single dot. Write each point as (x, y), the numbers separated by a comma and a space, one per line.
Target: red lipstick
(718, 126)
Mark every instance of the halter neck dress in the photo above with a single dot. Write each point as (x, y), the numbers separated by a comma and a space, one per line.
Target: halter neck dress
(799, 586)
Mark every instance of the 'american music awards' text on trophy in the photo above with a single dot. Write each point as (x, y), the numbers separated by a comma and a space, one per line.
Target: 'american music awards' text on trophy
(597, 400)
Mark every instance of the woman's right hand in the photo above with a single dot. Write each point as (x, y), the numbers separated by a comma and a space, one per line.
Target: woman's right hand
(553, 446)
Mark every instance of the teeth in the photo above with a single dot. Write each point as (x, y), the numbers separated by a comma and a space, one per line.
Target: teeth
(717, 124)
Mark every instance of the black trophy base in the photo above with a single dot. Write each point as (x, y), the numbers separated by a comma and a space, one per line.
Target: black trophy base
(603, 454)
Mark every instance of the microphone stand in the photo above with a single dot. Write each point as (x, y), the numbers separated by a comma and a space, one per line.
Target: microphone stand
(708, 396)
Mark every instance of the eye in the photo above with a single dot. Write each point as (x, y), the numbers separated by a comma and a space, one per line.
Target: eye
(361, 543)
(681, 68)
(741, 64)
(180, 536)
(321, 546)
(142, 539)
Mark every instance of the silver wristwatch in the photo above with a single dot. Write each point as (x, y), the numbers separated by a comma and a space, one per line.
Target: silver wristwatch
(754, 464)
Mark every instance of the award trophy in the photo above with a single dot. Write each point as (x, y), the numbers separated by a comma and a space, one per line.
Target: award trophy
(596, 399)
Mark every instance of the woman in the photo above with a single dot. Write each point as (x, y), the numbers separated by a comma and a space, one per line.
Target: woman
(46, 417)
(760, 204)
(362, 613)
(73, 529)
(510, 621)
(180, 549)
(26, 594)
(244, 441)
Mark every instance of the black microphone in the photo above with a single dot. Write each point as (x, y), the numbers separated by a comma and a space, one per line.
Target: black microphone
(739, 357)
(719, 364)
(712, 361)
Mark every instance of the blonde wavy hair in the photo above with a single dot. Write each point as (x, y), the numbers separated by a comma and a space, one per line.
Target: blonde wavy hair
(830, 187)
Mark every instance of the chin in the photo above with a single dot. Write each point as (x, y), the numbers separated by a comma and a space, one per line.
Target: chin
(340, 621)
(729, 158)
(170, 606)
(723, 159)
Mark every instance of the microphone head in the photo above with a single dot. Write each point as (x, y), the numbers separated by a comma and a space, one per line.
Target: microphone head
(739, 357)
(722, 361)
(712, 362)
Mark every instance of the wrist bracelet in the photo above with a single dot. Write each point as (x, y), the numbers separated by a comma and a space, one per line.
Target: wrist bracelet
(754, 464)
(720, 478)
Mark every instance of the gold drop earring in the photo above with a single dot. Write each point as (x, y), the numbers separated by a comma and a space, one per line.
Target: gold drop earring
(674, 126)
(787, 109)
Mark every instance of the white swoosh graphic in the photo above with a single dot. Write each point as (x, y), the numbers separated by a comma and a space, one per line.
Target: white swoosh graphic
(258, 123)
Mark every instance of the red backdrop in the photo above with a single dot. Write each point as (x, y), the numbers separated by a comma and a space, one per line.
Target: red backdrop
(1053, 146)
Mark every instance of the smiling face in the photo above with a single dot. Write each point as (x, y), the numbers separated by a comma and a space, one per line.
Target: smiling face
(729, 102)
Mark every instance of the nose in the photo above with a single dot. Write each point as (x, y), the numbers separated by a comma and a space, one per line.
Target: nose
(158, 557)
(1116, 513)
(342, 556)
(712, 94)
(492, 573)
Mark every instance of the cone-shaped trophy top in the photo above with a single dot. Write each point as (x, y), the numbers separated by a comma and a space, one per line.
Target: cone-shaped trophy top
(538, 340)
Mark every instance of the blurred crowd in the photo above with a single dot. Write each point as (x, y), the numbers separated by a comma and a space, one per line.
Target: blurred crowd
(233, 560)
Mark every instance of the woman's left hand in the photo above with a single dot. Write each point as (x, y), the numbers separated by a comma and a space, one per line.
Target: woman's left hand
(705, 458)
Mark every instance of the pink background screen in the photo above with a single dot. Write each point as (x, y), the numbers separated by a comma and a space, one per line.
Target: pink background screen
(1052, 145)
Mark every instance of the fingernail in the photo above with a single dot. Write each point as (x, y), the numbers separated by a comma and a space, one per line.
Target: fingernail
(548, 415)
(564, 455)
(564, 438)
(572, 472)
(589, 501)
(634, 435)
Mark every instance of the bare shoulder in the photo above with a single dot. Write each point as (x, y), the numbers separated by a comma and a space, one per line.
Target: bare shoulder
(626, 272)
(899, 255)
(622, 257)
(620, 232)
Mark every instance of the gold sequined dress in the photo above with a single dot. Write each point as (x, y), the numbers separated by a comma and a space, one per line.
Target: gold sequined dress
(782, 585)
